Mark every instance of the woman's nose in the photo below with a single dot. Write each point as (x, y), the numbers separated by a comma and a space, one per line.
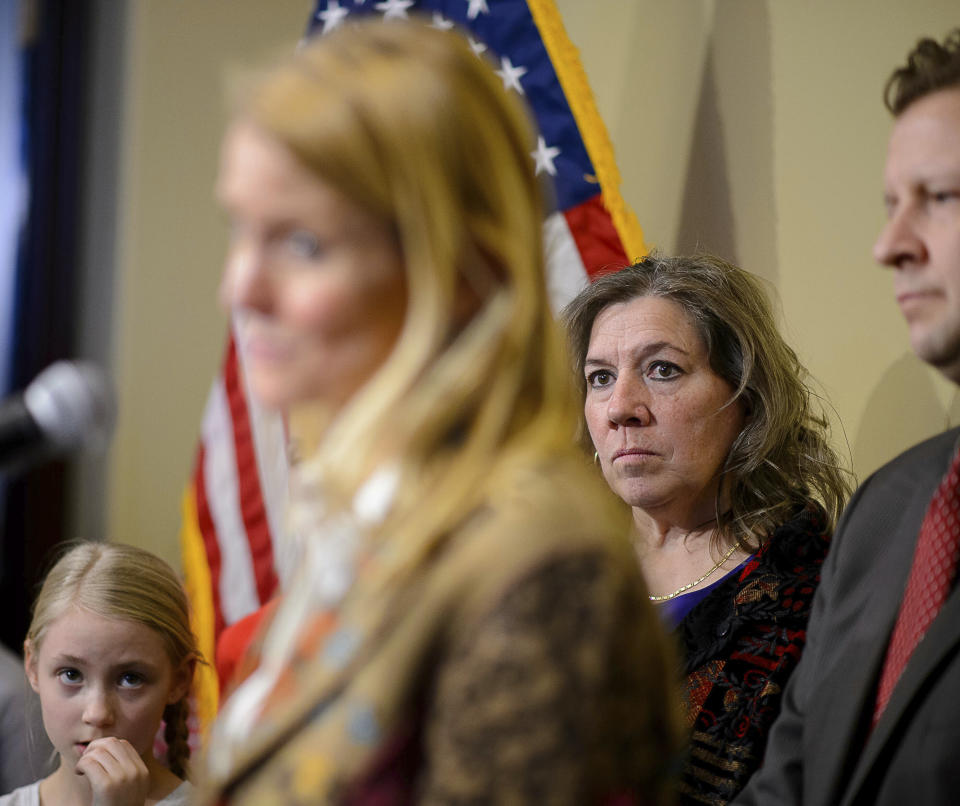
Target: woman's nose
(899, 241)
(629, 403)
(245, 282)
(98, 710)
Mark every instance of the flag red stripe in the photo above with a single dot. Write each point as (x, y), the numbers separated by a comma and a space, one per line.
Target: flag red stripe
(252, 507)
(596, 238)
(209, 533)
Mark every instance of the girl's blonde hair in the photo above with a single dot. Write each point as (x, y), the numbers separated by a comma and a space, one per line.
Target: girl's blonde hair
(112, 580)
(409, 123)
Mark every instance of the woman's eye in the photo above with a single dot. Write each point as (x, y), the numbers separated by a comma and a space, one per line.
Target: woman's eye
(69, 676)
(663, 371)
(599, 378)
(131, 680)
(303, 244)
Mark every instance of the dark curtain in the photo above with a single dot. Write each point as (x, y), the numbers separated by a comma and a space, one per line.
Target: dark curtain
(55, 71)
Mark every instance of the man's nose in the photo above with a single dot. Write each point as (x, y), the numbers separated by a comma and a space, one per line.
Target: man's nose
(899, 241)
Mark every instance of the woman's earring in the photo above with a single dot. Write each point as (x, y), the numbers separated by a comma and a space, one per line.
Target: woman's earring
(596, 458)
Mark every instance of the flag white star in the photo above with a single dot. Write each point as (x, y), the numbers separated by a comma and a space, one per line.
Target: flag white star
(441, 22)
(476, 7)
(545, 156)
(394, 9)
(511, 75)
(476, 46)
(332, 16)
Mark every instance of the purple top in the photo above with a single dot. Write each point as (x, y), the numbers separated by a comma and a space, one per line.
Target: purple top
(673, 611)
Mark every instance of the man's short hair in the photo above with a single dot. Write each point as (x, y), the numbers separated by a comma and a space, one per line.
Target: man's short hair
(931, 66)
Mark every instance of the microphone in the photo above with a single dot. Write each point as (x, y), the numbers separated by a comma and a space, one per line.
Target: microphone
(68, 406)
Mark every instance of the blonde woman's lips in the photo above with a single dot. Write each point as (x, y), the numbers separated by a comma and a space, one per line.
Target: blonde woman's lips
(260, 349)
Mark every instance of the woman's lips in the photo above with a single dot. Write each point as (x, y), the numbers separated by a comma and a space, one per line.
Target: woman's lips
(262, 349)
(638, 452)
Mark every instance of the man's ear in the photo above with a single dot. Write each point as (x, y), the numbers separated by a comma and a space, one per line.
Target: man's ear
(30, 665)
(182, 678)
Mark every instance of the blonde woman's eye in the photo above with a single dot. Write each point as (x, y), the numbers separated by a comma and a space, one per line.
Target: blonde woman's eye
(303, 244)
(69, 676)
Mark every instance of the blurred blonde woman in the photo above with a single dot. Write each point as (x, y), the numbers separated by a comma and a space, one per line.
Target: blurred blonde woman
(468, 624)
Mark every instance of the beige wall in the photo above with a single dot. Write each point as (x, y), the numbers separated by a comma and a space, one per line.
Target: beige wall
(750, 128)
(755, 129)
(170, 331)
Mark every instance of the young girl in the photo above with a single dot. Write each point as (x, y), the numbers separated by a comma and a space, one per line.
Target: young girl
(110, 653)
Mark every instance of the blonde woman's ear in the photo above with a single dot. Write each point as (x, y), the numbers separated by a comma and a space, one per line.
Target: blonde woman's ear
(30, 666)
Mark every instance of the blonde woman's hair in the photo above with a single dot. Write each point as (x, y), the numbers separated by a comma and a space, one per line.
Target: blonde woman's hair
(117, 581)
(409, 123)
(782, 457)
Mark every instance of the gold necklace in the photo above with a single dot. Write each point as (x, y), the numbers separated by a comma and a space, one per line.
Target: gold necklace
(678, 591)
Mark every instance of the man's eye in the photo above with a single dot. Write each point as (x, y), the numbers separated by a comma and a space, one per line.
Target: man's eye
(945, 195)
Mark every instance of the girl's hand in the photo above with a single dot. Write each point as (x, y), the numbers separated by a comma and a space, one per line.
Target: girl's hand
(117, 774)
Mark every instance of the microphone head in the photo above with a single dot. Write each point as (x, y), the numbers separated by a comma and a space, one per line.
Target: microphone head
(73, 405)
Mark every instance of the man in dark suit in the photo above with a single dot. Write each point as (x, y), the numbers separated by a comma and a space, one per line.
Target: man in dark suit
(872, 714)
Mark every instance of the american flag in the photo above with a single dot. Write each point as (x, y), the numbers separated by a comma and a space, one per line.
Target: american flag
(233, 553)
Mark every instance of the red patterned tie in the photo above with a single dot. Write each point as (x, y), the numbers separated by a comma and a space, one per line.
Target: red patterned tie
(931, 576)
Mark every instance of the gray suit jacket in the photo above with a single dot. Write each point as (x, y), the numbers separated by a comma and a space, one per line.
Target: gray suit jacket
(821, 752)
(25, 752)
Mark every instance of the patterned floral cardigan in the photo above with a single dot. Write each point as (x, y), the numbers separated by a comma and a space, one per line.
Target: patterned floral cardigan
(741, 644)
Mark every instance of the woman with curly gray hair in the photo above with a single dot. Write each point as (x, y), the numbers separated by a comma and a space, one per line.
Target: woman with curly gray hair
(702, 421)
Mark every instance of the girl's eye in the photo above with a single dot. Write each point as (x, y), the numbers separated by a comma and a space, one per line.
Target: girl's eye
(303, 244)
(131, 680)
(599, 378)
(663, 371)
(69, 676)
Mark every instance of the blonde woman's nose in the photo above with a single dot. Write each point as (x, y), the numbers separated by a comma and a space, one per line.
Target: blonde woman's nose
(245, 282)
